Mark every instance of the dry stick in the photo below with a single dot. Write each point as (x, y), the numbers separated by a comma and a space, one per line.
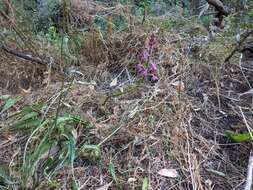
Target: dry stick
(113, 133)
(28, 57)
(248, 182)
(237, 48)
(23, 55)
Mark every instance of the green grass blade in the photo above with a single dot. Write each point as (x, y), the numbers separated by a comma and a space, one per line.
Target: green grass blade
(113, 172)
(145, 184)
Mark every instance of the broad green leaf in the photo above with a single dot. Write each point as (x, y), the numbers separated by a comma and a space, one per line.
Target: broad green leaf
(145, 184)
(28, 109)
(238, 137)
(9, 103)
(29, 116)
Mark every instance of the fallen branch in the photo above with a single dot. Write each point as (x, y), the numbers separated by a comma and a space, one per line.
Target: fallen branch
(23, 55)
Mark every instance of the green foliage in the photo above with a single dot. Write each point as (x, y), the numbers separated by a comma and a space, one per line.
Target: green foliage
(169, 23)
(90, 152)
(241, 21)
(113, 172)
(246, 137)
(145, 184)
(51, 145)
(206, 20)
(28, 117)
(54, 133)
(52, 35)
(5, 179)
(9, 102)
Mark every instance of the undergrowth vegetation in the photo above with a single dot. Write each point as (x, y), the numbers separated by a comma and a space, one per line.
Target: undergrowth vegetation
(125, 94)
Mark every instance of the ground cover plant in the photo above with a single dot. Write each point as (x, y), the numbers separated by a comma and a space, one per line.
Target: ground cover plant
(126, 94)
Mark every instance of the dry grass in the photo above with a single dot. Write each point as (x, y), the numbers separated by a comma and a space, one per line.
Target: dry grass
(178, 123)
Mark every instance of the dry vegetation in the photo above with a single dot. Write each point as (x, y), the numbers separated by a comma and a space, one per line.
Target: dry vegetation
(129, 129)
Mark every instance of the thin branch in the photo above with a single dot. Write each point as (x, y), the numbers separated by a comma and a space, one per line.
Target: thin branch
(246, 123)
(237, 48)
(23, 55)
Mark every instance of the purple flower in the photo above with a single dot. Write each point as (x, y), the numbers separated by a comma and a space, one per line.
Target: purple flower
(143, 73)
(153, 68)
(141, 70)
(154, 78)
(145, 56)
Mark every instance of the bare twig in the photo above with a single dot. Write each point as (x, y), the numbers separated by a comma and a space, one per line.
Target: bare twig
(246, 123)
(248, 182)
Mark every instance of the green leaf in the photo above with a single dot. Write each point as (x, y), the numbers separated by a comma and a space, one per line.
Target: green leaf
(29, 116)
(29, 165)
(28, 109)
(239, 137)
(113, 173)
(4, 97)
(9, 103)
(27, 120)
(71, 149)
(65, 119)
(74, 185)
(145, 184)
(91, 152)
(43, 148)
(33, 122)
